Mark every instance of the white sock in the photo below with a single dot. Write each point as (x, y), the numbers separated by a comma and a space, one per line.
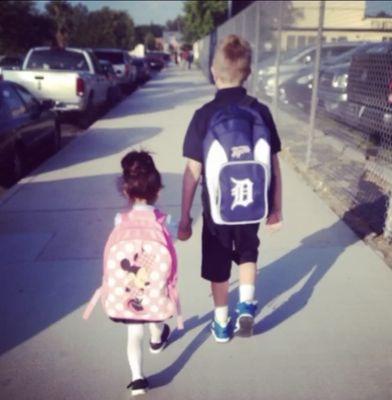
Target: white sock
(247, 293)
(221, 315)
(135, 350)
(156, 329)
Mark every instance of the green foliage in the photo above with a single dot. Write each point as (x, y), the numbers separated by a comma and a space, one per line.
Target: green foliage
(63, 23)
(202, 16)
(22, 27)
(176, 24)
(101, 28)
(109, 28)
(141, 32)
(149, 41)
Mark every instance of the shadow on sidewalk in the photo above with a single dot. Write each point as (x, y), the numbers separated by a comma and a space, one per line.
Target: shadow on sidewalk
(51, 261)
(97, 143)
(284, 287)
(164, 97)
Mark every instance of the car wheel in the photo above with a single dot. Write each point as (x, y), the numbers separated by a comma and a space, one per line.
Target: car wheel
(56, 140)
(16, 168)
(86, 118)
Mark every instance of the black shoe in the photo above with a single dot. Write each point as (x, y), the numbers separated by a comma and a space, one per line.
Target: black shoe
(140, 386)
(156, 348)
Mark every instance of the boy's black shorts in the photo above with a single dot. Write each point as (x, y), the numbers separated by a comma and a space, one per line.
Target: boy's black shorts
(222, 244)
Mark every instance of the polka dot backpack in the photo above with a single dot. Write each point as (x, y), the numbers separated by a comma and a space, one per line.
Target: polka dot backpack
(140, 270)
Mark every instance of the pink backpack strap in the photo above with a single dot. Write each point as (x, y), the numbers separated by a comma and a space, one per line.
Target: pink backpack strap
(173, 292)
(92, 303)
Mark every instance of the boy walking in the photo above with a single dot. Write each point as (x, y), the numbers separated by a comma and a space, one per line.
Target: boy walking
(224, 242)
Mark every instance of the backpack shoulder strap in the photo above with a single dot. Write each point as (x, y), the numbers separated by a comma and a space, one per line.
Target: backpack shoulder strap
(92, 303)
(248, 101)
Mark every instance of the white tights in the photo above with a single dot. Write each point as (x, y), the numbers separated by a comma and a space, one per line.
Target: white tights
(135, 345)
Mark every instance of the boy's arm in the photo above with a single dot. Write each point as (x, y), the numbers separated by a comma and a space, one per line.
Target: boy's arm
(189, 184)
(274, 219)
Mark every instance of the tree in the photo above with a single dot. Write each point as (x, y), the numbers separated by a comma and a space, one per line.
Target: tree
(61, 13)
(76, 26)
(110, 28)
(141, 31)
(22, 27)
(149, 41)
(203, 16)
(176, 24)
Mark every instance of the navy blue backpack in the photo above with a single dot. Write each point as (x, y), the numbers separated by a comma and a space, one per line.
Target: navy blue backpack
(237, 165)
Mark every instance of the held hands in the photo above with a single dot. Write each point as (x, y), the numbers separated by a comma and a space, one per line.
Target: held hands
(185, 229)
(274, 221)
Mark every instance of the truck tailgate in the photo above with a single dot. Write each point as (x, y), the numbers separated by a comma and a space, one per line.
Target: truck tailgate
(56, 85)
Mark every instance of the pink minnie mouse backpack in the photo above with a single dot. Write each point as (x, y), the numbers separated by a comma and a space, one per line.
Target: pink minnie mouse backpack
(140, 270)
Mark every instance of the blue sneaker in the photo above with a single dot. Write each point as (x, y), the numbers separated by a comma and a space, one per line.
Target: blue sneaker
(246, 314)
(222, 334)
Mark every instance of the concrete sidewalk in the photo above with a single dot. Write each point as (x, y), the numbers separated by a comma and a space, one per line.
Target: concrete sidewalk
(324, 328)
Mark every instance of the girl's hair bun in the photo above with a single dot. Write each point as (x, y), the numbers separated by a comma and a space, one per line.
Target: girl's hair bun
(140, 178)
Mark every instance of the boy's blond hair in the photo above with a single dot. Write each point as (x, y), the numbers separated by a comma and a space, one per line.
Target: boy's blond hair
(232, 60)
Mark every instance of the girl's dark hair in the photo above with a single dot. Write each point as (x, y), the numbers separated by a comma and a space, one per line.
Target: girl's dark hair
(140, 178)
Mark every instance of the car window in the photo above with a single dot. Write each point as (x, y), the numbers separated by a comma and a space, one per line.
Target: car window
(307, 57)
(27, 98)
(13, 101)
(379, 48)
(97, 66)
(114, 57)
(337, 51)
(10, 61)
(57, 59)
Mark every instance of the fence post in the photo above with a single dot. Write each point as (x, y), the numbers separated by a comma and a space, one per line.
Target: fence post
(255, 72)
(243, 23)
(316, 76)
(277, 59)
(388, 220)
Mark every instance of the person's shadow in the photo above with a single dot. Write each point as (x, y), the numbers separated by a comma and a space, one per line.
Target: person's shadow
(283, 288)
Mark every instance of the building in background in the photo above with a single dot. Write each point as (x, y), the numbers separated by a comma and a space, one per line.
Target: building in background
(343, 21)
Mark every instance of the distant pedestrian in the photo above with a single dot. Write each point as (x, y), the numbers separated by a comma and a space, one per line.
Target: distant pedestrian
(140, 267)
(190, 59)
(233, 143)
(184, 58)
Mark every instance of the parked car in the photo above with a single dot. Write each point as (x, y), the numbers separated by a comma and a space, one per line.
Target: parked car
(11, 62)
(155, 61)
(293, 61)
(122, 64)
(72, 77)
(28, 127)
(332, 84)
(142, 69)
(115, 92)
(369, 89)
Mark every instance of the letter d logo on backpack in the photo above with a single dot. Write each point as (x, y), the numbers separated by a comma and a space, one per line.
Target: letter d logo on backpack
(237, 165)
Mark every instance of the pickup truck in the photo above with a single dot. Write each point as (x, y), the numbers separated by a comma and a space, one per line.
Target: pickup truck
(72, 77)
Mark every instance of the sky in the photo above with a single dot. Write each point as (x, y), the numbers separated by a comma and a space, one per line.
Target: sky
(159, 11)
(142, 12)
(373, 7)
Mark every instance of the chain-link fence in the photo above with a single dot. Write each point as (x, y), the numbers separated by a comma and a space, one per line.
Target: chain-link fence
(325, 69)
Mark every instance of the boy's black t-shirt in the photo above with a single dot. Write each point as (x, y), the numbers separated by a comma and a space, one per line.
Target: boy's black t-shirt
(193, 143)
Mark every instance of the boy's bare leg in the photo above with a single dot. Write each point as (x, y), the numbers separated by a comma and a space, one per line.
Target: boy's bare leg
(247, 305)
(247, 282)
(220, 294)
(247, 273)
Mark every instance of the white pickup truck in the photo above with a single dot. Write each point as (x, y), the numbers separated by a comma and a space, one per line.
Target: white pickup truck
(73, 78)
